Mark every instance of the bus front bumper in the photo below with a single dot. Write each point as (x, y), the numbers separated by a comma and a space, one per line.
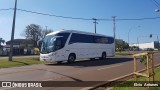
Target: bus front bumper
(46, 57)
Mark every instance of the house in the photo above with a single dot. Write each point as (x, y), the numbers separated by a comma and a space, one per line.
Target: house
(20, 46)
(1, 50)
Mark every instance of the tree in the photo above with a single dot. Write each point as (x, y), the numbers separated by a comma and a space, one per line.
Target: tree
(2, 41)
(121, 45)
(118, 45)
(33, 32)
(125, 45)
(134, 48)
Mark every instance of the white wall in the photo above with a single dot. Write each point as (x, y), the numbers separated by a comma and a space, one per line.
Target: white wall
(144, 45)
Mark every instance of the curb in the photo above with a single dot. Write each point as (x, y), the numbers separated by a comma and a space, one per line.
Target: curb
(125, 77)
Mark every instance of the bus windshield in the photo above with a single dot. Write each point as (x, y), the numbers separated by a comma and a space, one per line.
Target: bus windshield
(52, 43)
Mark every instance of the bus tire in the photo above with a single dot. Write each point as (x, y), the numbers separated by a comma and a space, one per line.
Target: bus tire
(92, 58)
(103, 55)
(71, 58)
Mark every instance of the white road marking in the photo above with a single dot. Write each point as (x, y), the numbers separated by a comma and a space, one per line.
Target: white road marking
(110, 67)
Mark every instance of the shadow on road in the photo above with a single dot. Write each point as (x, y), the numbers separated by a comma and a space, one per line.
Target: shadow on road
(96, 62)
(75, 79)
(21, 62)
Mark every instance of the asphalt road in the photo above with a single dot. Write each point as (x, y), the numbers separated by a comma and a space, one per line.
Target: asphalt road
(95, 70)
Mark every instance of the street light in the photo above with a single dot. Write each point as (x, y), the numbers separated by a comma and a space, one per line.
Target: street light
(157, 10)
(130, 31)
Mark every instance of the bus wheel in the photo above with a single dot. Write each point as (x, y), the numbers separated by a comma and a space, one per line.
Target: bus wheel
(103, 55)
(92, 58)
(71, 58)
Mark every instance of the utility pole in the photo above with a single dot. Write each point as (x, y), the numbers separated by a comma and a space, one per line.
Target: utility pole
(12, 34)
(95, 23)
(46, 27)
(157, 38)
(114, 27)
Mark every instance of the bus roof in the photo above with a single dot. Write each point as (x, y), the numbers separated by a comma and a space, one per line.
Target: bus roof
(74, 31)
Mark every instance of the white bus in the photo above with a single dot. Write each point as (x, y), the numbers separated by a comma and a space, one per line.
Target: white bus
(69, 45)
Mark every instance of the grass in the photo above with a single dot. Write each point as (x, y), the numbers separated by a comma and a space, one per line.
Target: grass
(4, 63)
(123, 54)
(156, 51)
(128, 83)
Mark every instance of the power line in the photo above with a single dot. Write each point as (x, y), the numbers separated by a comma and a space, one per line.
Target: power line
(156, 3)
(51, 14)
(6, 9)
(90, 19)
(133, 19)
(44, 14)
(138, 19)
(123, 19)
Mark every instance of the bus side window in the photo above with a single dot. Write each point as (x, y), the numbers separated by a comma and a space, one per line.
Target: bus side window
(73, 39)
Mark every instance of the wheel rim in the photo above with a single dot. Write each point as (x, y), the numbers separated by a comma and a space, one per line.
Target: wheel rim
(71, 58)
(104, 56)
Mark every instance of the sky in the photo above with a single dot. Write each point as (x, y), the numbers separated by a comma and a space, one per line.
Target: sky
(99, 9)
